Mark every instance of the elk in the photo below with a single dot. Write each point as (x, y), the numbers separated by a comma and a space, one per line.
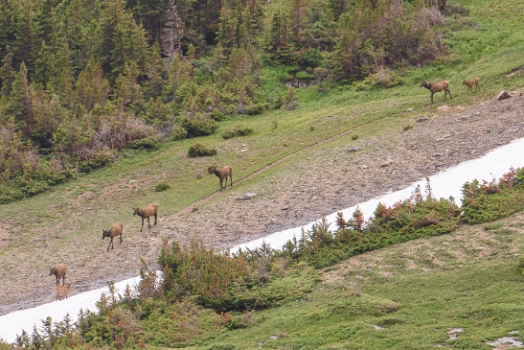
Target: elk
(62, 291)
(386, 164)
(146, 213)
(470, 83)
(114, 231)
(59, 271)
(437, 87)
(222, 174)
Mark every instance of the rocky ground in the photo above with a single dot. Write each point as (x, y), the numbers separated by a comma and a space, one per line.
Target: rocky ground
(329, 179)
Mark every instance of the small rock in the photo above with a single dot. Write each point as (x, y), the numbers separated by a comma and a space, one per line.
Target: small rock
(437, 154)
(273, 337)
(285, 207)
(503, 95)
(353, 149)
(248, 196)
(477, 113)
(132, 181)
(422, 119)
(440, 139)
(364, 167)
(444, 108)
(410, 109)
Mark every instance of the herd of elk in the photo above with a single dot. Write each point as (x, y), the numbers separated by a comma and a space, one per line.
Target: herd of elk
(443, 85)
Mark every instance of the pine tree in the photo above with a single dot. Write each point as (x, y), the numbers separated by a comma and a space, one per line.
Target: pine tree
(25, 43)
(44, 66)
(91, 87)
(7, 75)
(6, 26)
(155, 72)
(20, 104)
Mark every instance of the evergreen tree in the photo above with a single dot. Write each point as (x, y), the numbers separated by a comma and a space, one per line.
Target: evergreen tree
(25, 42)
(91, 87)
(44, 66)
(7, 75)
(6, 26)
(20, 104)
(155, 72)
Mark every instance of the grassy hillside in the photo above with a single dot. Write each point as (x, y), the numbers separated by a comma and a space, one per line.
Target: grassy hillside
(486, 43)
(409, 296)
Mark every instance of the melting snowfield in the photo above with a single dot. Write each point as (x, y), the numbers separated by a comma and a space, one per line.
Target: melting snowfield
(444, 184)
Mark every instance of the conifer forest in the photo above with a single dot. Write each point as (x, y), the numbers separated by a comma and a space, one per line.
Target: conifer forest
(81, 80)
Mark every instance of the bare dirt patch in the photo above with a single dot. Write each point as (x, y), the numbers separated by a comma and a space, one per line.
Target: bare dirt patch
(325, 180)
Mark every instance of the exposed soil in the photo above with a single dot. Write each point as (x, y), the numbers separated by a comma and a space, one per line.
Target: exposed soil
(327, 180)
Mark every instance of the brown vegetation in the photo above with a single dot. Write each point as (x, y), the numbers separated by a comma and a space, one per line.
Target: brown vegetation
(146, 213)
(437, 87)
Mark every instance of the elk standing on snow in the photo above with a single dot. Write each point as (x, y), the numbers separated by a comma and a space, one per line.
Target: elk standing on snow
(62, 291)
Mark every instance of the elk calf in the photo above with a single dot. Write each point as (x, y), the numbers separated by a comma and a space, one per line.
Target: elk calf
(114, 231)
(59, 271)
(222, 174)
(146, 213)
(62, 291)
(437, 87)
(470, 83)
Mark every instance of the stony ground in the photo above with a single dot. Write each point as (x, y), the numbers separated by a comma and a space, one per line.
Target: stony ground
(327, 180)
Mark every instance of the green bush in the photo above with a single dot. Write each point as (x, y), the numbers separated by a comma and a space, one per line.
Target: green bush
(100, 160)
(256, 108)
(490, 201)
(239, 130)
(198, 125)
(150, 142)
(199, 150)
(384, 77)
(162, 186)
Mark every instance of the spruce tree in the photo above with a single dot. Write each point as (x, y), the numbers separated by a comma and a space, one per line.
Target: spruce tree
(7, 74)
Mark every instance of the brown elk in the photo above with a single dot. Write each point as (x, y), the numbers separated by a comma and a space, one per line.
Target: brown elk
(59, 271)
(470, 83)
(437, 87)
(114, 231)
(62, 291)
(146, 213)
(222, 174)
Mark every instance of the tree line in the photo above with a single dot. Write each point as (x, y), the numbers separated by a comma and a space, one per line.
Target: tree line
(82, 79)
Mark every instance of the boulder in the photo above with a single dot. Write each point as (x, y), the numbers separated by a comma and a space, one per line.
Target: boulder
(503, 95)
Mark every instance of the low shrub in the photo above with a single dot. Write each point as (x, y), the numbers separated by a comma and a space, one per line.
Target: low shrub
(493, 200)
(199, 150)
(239, 130)
(162, 186)
(150, 142)
(198, 125)
(100, 160)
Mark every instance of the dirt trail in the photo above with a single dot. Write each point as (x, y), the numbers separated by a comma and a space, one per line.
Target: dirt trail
(324, 180)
